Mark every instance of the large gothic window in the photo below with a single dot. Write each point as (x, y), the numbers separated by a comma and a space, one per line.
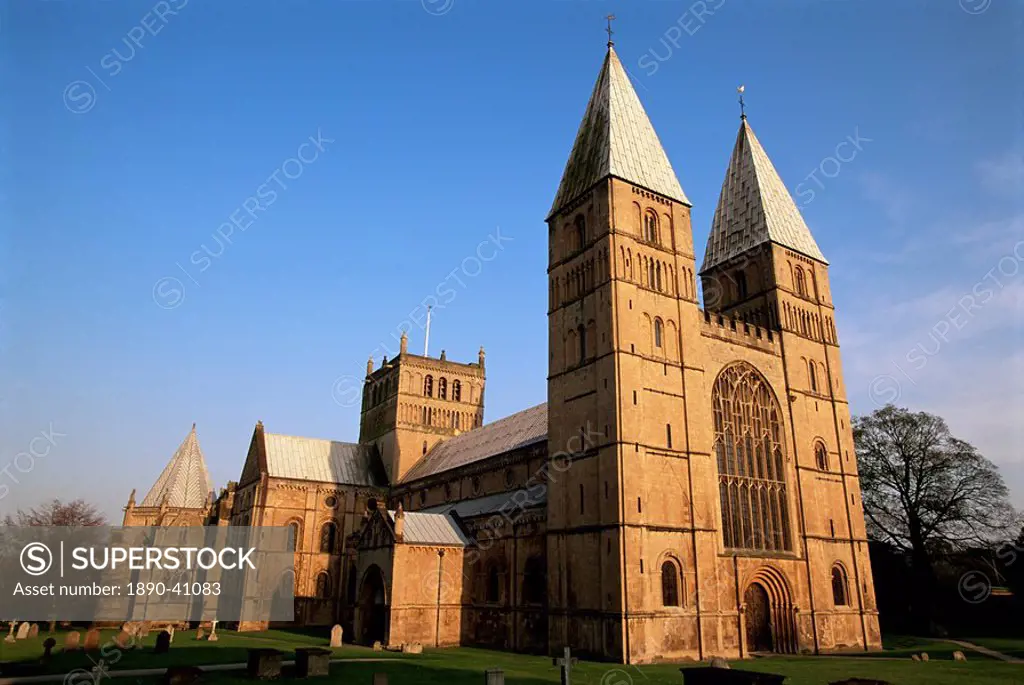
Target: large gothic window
(839, 594)
(751, 466)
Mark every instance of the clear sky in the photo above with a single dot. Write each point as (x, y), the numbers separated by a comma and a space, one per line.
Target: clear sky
(130, 132)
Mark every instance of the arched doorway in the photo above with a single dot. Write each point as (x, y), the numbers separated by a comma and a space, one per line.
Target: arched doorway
(759, 620)
(373, 611)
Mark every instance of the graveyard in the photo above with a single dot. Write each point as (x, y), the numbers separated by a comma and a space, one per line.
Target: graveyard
(78, 666)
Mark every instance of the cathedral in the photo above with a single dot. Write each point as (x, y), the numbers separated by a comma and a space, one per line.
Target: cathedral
(688, 490)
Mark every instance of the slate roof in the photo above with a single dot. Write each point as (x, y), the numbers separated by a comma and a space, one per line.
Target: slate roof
(755, 207)
(323, 460)
(616, 138)
(527, 427)
(431, 529)
(184, 482)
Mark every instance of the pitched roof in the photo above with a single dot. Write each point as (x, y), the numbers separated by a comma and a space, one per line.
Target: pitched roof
(431, 529)
(616, 138)
(184, 482)
(524, 428)
(755, 207)
(322, 460)
(534, 495)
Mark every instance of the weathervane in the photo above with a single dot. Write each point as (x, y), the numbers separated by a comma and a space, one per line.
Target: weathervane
(743, 106)
(610, 18)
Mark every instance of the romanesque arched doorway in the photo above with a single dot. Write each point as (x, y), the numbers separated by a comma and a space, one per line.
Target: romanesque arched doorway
(759, 619)
(373, 610)
(768, 612)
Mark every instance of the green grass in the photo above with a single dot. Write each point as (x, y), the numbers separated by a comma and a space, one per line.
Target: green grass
(465, 666)
(1010, 646)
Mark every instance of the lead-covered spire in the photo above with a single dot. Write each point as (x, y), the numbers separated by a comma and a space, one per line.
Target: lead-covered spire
(755, 207)
(616, 139)
(185, 482)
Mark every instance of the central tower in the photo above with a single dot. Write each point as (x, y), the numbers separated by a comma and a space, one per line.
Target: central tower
(622, 314)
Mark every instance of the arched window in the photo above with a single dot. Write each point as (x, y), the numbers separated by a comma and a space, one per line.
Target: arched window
(457, 390)
(657, 273)
(296, 534)
(821, 456)
(428, 386)
(534, 581)
(328, 537)
(669, 584)
(442, 388)
(812, 375)
(650, 227)
(581, 231)
(424, 447)
(492, 592)
(581, 334)
(323, 585)
(840, 596)
(651, 277)
(751, 466)
(741, 284)
(657, 333)
(800, 282)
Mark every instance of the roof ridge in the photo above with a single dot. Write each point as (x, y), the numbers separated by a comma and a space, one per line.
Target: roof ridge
(185, 481)
(306, 437)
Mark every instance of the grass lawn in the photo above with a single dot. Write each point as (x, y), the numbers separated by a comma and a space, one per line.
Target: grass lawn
(466, 665)
(1010, 646)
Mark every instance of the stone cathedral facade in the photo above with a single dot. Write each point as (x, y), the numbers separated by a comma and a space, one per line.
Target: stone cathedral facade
(688, 490)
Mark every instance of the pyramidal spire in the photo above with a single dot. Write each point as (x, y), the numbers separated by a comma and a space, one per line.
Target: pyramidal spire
(185, 482)
(755, 207)
(616, 138)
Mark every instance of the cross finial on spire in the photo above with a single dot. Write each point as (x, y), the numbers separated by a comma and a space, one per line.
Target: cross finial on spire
(743, 105)
(610, 18)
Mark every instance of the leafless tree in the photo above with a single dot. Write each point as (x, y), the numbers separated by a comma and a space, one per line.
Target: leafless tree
(77, 513)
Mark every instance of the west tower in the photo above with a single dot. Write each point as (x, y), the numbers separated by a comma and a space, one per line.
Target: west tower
(412, 402)
(622, 315)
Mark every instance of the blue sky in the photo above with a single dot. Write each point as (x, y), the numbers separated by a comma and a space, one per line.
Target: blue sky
(132, 131)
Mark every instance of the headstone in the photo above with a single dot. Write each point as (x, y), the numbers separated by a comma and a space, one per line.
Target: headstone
(914, 657)
(412, 648)
(33, 630)
(377, 646)
(380, 679)
(494, 676)
(124, 639)
(92, 640)
(10, 635)
(264, 663)
(200, 633)
(182, 675)
(170, 629)
(719, 662)
(336, 634)
(924, 656)
(48, 645)
(71, 641)
(163, 642)
(23, 631)
(565, 663)
(312, 661)
(959, 656)
(213, 632)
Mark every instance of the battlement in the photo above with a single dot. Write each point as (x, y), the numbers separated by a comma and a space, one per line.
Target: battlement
(732, 329)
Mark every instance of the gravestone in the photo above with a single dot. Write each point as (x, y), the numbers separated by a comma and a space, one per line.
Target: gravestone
(264, 663)
(565, 663)
(163, 642)
(380, 679)
(719, 662)
(336, 634)
(182, 675)
(10, 635)
(170, 629)
(412, 648)
(959, 656)
(312, 661)
(124, 639)
(914, 657)
(710, 675)
(23, 631)
(71, 641)
(33, 630)
(48, 645)
(213, 632)
(494, 676)
(200, 633)
(377, 646)
(924, 656)
(92, 640)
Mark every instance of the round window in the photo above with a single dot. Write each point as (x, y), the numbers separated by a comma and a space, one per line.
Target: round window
(331, 501)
